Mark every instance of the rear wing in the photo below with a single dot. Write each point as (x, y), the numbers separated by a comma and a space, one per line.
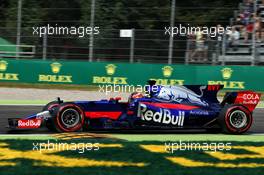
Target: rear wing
(248, 99)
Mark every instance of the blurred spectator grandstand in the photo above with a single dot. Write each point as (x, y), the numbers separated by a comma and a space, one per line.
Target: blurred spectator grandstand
(244, 44)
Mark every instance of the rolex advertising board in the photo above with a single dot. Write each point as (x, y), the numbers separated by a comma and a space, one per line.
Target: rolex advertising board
(87, 73)
(5, 74)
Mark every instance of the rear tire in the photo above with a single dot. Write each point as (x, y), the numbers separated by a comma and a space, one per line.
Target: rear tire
(68, 117)
(235, 119)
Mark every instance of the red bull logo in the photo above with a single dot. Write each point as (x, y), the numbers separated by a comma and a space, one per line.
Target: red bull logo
(32, 123)
(163, 116)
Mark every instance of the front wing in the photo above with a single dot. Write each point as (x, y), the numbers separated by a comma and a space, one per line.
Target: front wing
(30, 122)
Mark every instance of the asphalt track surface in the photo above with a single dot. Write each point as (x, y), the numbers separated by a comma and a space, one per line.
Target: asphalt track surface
(22, 111)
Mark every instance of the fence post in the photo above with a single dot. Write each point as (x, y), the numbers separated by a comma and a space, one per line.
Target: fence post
(132, 46)
(91, 41)
(217, 48)
(187, 53)
(254, 37)
(223, 49)
(19, 14)
(171, 35)
(45, 41)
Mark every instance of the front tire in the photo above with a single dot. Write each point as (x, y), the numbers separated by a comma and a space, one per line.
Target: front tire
(235, 119)
(69, 118)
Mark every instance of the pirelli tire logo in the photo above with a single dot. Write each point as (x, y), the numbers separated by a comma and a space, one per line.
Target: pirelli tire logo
(162, 116)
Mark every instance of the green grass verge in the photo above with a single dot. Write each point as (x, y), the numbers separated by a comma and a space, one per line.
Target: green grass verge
(261, 104)
(23, 102)
(186, 137)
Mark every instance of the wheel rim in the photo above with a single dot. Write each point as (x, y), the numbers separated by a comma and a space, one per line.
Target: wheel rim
(70, 118)
(238, 119)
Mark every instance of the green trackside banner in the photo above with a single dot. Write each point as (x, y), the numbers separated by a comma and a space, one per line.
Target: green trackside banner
(87, 73)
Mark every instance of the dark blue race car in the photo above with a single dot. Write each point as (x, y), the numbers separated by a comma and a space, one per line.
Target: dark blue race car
(163, 107)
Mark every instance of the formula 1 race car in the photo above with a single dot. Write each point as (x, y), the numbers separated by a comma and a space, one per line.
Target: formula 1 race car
(162, 107)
